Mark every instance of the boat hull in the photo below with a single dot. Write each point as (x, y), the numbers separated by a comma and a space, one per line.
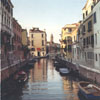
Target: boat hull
(88, 96)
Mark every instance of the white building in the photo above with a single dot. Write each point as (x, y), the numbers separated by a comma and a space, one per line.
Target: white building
(96, 18)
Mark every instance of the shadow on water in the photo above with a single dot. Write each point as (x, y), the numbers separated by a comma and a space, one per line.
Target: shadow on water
(44, 83)
(81, 97)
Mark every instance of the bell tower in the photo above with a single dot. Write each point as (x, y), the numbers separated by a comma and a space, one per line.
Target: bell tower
(51, 39)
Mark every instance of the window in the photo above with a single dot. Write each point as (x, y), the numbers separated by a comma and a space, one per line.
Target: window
(43, 53)
(32, 43)
(64, 29)
(86, 13)
(84, 29)
(83, 15)
(32, 35)
(92, 40)
(89, 26)
(95, 20)
(33, 49)
(69, 30)
(90, 55)
(5, 19)
(42, 35)
(91, 7)
(42, 42)
(95, 38)
(42, 49)
(96, 57)
(87, 41)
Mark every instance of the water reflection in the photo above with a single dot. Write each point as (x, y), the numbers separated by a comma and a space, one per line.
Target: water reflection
(45, 83)
(70, 89)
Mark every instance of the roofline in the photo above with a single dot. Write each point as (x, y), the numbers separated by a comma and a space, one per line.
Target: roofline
(11, 3)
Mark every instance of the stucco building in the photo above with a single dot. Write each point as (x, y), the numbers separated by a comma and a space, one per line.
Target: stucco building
(96, 24)
(24, 34)
(75, 46)
(38, 39)
(17, 39)
(6, 30)
(66, 39)
(87, 35)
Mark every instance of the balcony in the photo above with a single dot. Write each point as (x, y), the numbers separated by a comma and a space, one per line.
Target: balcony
(4, 27)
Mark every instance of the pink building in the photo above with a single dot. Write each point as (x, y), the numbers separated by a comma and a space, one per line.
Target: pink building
(17, 40)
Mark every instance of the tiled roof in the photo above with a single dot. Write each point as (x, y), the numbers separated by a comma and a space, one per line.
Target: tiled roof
(36, 30)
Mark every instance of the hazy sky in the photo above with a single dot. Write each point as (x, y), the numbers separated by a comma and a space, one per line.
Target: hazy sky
(51, 15)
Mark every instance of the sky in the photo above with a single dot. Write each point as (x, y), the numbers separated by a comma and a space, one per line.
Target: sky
(50, 15)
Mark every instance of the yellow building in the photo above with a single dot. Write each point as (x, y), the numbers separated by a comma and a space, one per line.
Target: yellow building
(37, 40)
(24, 37)
(66, 39)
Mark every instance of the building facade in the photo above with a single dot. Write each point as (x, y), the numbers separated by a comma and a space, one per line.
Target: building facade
(86, 35)
(75, 47)
(17, 39)
(38, 39)
(24, 37)
(96, 24)
(66, 39)
(6, 30)
(25, 43)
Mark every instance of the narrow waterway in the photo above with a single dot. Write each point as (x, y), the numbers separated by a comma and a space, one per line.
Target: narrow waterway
(44, 83)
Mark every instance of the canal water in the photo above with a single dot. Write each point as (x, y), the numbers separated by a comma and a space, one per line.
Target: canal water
(44, 83)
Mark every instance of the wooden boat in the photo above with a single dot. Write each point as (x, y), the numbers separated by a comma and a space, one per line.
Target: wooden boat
(21, 76)
(89, 91)
(64, 71)
(56, 63)
(31, 62)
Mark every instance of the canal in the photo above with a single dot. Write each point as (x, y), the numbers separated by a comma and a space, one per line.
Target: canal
(44, 83)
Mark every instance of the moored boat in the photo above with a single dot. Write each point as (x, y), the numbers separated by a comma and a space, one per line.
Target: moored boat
(89, 91)
(31, 64)
(64, 71)
(21, 76)
(56, 63)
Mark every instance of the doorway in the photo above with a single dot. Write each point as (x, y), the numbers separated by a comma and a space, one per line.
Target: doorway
(38, 53)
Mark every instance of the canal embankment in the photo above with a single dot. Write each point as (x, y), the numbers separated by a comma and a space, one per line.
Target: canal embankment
(44, 83)
(83, 71)
(15, 66)
(9, 70)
